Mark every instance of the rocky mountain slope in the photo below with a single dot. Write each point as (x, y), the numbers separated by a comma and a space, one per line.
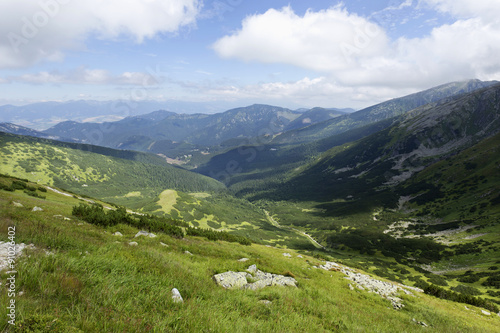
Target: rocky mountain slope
(379, 112)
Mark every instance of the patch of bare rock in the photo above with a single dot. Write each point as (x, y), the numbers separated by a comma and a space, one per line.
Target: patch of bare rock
(387, 290)
(252, 279)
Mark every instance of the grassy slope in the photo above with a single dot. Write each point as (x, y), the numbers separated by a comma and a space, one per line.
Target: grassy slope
(94, 282)
(139, 186)
(94, 174)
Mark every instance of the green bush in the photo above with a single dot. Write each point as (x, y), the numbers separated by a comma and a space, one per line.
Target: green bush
(217, 235)
(458, 297)
(467, 290)
(33, 194)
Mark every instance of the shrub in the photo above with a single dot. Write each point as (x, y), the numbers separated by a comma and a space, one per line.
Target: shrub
(467, 290)
(461, 298)
(33, 194)
(438, 280)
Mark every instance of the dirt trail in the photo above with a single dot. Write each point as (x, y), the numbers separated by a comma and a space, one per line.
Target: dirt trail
(277, 225)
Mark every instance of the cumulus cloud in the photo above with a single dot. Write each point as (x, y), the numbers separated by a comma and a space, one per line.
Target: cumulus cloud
(31, 31)
(322, 41)
(86, 76)
(348, 50)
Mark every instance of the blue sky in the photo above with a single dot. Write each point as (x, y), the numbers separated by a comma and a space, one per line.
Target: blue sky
(288, 53)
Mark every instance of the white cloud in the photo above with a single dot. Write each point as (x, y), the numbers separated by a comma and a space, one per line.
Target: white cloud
(351, 51)
(322, 41)
(32, 31)
(86, 76)
(487, 10)
(310, 92)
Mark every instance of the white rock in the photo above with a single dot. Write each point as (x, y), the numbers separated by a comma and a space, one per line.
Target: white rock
(133, 243)
(163, 244)
(252, 269)
(485, 313)
(17, 204)
(299, 256)
(119, 234)
(287, 255)
(243, 259)
(37, 209)
(176, 296)
(145, 233)
(187, 252)
(265, 302)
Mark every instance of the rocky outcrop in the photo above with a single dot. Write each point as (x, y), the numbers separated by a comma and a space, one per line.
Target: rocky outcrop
(6, 252)
(387, 290)
(232, 280)
(253, 279)
(145, 233)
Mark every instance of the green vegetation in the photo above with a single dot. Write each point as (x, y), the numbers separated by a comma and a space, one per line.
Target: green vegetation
(95, 171)
(82, 278)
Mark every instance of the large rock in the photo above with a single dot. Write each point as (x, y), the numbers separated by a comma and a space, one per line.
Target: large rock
(232, 280)
(145, 233)
(260, 279)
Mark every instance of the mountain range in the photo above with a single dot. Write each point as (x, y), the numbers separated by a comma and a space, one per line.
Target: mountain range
(407, 190)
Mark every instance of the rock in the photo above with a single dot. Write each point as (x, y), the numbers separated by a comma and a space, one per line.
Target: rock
(231, 280)
(163, 244)
(17, 204)
(187, 252)
(287, 255)
(265, 302)
(67, 219)
(486, 313)
(252, 269)
(351, 287)
(299, 256)
(239, 280)
(243, 259)
(145, 233)
(176, 296)
(420, 323)
(37, 209)
(119, 234)
(133, 243)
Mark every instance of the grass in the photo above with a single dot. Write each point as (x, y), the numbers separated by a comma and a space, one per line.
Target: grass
(95, 282)
(168, 199)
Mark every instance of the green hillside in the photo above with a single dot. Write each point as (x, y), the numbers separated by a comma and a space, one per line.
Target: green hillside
(95, 171)
(140, 181)
(79, 277)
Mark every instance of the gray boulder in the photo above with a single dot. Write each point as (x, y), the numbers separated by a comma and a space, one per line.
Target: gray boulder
(232, 280)
(239, 280)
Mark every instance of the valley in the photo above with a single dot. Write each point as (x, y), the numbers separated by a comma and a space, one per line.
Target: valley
(406, 191)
